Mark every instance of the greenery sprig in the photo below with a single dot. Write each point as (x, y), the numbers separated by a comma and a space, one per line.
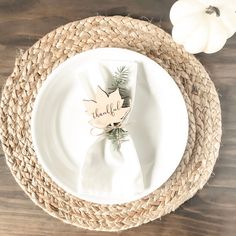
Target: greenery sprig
(120, 81)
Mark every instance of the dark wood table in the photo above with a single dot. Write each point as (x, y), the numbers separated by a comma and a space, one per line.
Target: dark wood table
(211, 212)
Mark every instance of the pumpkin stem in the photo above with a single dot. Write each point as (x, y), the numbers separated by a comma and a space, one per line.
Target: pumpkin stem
(211, 9)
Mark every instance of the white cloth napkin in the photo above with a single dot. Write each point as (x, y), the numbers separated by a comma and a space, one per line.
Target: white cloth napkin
(105, 171)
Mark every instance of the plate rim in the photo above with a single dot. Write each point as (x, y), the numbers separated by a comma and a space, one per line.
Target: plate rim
(35, 109)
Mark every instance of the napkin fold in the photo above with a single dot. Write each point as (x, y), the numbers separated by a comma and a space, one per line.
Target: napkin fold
(104, 170)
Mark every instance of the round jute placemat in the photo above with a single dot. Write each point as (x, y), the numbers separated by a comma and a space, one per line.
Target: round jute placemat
(33, 67)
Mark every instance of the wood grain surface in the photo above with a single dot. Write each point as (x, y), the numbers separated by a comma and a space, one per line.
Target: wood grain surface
(211, 212)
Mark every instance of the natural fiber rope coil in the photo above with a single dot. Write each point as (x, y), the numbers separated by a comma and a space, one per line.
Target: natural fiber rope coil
(33, 67)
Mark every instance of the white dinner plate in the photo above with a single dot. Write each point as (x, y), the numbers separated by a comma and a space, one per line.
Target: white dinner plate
(56, 122)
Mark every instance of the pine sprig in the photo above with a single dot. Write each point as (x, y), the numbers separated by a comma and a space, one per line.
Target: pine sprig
(117, 137)
(120, 81)
(121, 77)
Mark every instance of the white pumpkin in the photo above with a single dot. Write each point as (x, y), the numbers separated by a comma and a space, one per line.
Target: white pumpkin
(203, 25)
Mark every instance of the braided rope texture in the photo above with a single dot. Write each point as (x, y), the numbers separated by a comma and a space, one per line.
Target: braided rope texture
(33, 67)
